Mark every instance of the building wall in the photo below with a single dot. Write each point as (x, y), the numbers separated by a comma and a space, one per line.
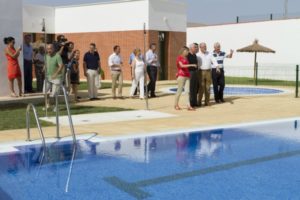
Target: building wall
(127, 40)
(122, 16)
(11, 25)
(115, 23)
(33, 18)
(175, 42)
(283, 36)
(102, 17)
(167, 16)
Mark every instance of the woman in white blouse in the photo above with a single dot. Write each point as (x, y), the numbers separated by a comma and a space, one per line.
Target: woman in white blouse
(138, 73)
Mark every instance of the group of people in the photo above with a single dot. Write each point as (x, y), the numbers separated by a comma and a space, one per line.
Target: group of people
(62, 61)
(197, 69)
(140, 67)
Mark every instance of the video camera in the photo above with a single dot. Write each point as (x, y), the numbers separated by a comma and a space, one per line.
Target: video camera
(61, 42)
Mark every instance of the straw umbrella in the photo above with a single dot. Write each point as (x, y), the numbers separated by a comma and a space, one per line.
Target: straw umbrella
(255, 47)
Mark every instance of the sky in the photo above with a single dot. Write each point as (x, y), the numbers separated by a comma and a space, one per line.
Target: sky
(213, 11)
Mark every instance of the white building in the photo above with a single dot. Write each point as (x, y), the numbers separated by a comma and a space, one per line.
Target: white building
(106, 24)
(121, 23)
(283, 36)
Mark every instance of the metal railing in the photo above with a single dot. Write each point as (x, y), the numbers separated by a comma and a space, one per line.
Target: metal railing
(57, 118)
(37, 122)
(69, 114)
(74, 150)
(266, 17)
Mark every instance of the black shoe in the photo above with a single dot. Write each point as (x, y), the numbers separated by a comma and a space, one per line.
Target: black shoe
(78, 97)
(218, 101)
(95, 99)
(222, 100)
(153, 96)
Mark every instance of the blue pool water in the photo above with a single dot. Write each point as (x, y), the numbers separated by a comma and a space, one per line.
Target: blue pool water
(249, 162)
(245, 91)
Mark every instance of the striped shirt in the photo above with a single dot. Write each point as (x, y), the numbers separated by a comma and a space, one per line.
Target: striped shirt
(220, 58)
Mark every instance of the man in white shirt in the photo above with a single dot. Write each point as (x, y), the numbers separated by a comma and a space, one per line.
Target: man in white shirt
(218, 77)
(152, 66)
(206, 62)
(115, 63)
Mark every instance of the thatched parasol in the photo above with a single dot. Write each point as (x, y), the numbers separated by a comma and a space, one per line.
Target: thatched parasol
(255, 47)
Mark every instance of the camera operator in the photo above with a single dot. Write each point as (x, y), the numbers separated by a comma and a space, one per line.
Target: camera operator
(59, 44)
(66, 51)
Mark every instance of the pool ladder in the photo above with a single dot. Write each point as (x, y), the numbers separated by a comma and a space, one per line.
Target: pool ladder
(37, 122)
(57, 119)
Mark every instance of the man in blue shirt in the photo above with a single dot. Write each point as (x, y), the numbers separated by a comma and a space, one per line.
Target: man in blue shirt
(152, 68)
(28, 57)
(92, 67)
(218, 73)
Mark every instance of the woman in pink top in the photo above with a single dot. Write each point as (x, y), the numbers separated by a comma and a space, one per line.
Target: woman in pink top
(183, 77)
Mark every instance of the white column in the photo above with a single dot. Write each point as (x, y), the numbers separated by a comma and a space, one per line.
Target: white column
(11, 24)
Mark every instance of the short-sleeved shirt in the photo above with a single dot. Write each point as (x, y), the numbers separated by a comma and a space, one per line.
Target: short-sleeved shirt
(53, 63)
(39, 60)
(150, 57)
(27, 52)
(114, 59)
(192, 58)
(182, 71)
(206, 61)
(92, 60)
(220, 58)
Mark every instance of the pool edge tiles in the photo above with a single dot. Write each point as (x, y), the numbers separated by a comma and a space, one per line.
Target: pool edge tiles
(95, 137)
(196, 129)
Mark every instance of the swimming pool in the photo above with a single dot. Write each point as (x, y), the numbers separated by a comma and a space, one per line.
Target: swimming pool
(240, 90)
(251, 161)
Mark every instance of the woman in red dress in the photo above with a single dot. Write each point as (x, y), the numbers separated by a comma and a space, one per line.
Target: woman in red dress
(13, 67)
(183, 77)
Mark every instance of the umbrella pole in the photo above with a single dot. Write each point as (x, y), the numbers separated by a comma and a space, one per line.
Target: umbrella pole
(254, 76)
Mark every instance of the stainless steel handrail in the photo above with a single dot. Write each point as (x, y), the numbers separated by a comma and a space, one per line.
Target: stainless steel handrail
(74, 150)
(69, 114)
(37, 122)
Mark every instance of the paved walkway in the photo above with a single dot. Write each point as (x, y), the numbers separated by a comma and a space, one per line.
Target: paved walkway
(235, 110)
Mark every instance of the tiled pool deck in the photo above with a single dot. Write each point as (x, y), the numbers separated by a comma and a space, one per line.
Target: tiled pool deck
(235, 110)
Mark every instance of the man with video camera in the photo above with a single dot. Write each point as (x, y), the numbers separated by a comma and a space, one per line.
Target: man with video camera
(66, 51)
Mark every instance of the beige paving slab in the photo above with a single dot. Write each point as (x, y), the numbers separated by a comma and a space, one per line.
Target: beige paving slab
(235, 110)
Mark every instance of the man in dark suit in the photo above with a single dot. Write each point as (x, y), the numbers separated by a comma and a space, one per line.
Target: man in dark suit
(194, 78)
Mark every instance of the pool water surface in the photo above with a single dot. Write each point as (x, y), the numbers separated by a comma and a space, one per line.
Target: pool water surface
(249, 162)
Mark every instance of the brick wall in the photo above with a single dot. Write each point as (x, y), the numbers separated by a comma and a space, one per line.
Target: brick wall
(127, 40)
(175, 41)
